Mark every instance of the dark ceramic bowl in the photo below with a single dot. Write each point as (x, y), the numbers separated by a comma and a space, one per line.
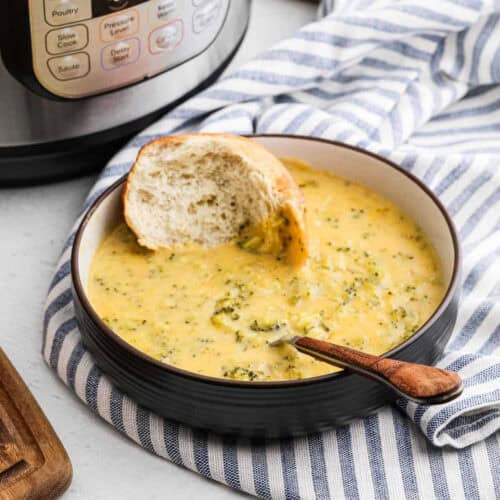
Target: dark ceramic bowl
(270, 408)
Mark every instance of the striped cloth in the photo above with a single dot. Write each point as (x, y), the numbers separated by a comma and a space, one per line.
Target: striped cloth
(416, 81)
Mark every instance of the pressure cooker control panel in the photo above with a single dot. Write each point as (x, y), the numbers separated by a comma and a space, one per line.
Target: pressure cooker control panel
(87, 47)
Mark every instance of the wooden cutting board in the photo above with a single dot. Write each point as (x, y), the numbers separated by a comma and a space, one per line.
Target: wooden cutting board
(33, 462)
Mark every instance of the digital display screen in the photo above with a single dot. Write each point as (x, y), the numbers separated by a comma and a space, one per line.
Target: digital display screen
(105, 7)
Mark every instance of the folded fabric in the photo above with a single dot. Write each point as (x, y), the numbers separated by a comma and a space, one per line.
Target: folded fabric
(415, 81)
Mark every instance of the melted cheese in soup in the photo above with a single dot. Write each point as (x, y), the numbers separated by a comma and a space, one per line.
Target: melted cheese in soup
(371, 281)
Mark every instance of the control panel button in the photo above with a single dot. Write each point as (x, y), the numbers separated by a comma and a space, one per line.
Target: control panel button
(205, 15)
(70, 67)
(120, 54)
(67, 39)
(167, 37)
(162, 10)
(58, 12)
(119, 26)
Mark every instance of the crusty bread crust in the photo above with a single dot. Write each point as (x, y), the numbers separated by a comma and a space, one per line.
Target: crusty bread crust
(284, 196)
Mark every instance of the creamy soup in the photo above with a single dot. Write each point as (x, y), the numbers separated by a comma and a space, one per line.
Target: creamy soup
(371, 281)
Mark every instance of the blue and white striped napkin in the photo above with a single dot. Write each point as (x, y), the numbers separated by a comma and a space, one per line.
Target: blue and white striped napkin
(418, 82)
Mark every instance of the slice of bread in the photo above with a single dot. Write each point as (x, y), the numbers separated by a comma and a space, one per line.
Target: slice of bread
(213, 188)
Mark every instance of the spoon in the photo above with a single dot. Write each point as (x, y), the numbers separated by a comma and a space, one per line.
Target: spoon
(420, 383)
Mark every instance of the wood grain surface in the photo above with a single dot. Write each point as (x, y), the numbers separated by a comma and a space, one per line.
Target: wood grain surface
(413, 379)
(33, 462)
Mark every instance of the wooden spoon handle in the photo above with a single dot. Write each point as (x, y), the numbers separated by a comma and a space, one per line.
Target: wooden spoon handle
(421, 383)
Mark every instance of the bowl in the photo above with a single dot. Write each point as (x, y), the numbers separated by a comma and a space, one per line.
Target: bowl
(283, 408)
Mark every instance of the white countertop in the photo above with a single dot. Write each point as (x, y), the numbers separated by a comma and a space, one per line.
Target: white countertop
(34, 223)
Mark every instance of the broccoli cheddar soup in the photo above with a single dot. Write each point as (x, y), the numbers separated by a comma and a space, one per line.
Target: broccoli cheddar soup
(372, 279)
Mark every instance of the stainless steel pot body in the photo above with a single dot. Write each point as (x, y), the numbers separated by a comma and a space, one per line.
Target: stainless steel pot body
(106, 85)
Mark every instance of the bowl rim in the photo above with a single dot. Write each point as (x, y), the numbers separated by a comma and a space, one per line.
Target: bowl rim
(171, 369)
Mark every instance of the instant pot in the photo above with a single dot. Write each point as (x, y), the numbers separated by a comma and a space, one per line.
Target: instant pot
(78, 77)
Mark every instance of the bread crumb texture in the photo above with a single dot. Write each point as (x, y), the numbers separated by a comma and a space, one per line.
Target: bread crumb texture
(209, 189)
